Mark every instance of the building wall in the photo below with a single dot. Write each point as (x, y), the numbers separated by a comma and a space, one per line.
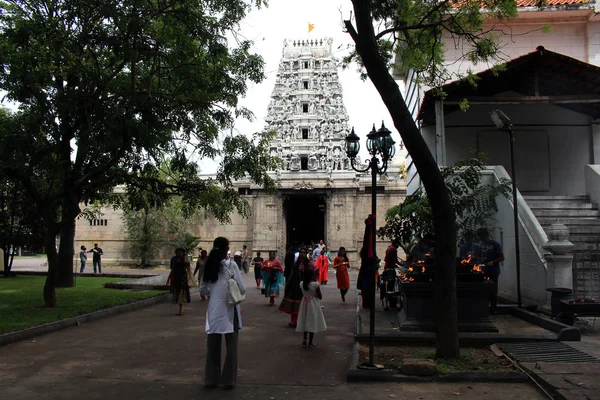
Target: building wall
(547, 138)
(578, 38)
(264, 230)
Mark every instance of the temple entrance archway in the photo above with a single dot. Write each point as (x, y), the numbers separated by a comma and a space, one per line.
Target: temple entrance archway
(304, 219)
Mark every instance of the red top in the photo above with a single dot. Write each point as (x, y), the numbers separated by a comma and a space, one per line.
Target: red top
(269, 265)
(391, 257)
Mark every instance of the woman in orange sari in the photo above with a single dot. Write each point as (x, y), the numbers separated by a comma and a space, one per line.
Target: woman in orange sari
(322, 264)
(341, 264)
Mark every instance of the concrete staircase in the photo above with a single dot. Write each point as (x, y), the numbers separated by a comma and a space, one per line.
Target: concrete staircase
(583, 220)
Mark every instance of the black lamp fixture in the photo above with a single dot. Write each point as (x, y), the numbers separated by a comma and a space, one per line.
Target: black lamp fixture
(504, 123)
(380, 146)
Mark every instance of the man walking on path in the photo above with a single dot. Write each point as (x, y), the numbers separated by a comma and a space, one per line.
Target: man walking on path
(97, 258)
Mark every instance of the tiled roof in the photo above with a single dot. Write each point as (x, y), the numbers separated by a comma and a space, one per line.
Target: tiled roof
(534, 3)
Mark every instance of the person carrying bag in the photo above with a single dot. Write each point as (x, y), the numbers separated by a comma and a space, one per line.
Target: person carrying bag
(222, 282)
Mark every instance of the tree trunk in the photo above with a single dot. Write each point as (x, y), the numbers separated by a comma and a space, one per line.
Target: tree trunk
(443, 213)
(70, 211)
(6, 264)
(52, 277)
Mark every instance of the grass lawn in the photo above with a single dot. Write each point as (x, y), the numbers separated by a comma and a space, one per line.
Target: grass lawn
(21, 301)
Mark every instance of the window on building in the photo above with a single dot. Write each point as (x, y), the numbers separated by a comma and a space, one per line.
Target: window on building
(99, 222)
(244, 191)
(305, 64)
(304, 163)
(305, 84)
(304, 107)
(304, 133)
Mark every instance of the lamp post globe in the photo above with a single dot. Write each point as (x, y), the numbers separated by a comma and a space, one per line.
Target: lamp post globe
(372, 141)
(352, 145)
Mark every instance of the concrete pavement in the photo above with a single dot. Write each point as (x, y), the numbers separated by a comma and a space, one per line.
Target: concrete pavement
(153, 354)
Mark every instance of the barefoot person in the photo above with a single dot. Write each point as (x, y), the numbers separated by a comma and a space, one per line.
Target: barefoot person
(293, 292)
(179, 267)
(258, 263)
(272, 277)
(222, 318)
(341, 264)
(310, 317)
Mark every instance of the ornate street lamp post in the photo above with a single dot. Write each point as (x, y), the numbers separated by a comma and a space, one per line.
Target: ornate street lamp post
(381, 146)
(503, 123)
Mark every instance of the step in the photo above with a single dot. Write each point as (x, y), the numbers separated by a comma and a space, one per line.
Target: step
(536, 205)
(582, 197)
(566, 213)
(569, 222)
(579, 229)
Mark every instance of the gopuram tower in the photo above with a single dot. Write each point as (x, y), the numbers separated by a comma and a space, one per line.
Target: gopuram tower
(320, 196)
(307, 110)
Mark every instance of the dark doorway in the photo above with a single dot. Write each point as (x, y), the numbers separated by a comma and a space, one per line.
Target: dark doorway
(305, 219)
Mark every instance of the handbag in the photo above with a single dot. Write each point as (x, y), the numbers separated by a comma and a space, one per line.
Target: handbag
(235, 296)
(192, 282)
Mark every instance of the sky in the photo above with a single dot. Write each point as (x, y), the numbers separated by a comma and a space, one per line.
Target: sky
(287, 19)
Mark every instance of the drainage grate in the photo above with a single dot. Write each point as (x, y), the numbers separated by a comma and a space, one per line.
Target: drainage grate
(545, 352)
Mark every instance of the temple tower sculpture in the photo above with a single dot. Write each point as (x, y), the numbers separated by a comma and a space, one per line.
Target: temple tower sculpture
(307, 109)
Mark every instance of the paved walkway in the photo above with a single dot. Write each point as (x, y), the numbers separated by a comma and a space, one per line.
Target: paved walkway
(153, 354)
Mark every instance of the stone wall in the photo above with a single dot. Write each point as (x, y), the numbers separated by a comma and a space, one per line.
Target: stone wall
(264, 230)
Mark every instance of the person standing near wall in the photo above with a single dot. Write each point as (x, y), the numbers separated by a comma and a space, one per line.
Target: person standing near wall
(82, 259)
(491, 255)
(245, 258)
(97, 258)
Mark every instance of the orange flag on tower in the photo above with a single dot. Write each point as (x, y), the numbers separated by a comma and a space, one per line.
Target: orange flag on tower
(310, 27)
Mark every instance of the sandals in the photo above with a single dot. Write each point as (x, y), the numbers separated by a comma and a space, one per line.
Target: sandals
(292, 325)
(312, 345)
(304, 343)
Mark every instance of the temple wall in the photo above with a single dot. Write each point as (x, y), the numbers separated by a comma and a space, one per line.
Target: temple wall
(264, 230)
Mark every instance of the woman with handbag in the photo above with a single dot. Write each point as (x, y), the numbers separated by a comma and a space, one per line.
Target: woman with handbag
(222, 316)
(179, 279)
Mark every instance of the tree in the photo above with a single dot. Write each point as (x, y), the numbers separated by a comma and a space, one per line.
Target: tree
(474, 204)
(414, 30)
(106, 89)
(20, 224)
(143, 233)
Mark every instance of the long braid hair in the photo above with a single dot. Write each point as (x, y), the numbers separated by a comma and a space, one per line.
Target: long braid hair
(216, 255)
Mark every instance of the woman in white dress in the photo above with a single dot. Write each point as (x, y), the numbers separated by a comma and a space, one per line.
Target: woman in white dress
(222, 318)
(310, 315)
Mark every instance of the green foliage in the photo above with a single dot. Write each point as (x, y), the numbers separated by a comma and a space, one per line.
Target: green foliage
(21, 300)
(186, 241)
(106, 90)
(413, 31)
(474, 204)
(144, 233)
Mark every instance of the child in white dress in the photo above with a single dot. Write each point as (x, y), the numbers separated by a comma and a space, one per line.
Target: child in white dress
(310, 316)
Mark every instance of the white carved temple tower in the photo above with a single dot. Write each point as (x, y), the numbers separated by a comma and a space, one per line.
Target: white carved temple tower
(307, 109)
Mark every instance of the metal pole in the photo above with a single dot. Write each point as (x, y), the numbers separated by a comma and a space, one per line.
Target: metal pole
(511, 138)
(374, 260)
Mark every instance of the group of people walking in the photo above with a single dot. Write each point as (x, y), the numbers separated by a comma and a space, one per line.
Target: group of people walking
(299, 277)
